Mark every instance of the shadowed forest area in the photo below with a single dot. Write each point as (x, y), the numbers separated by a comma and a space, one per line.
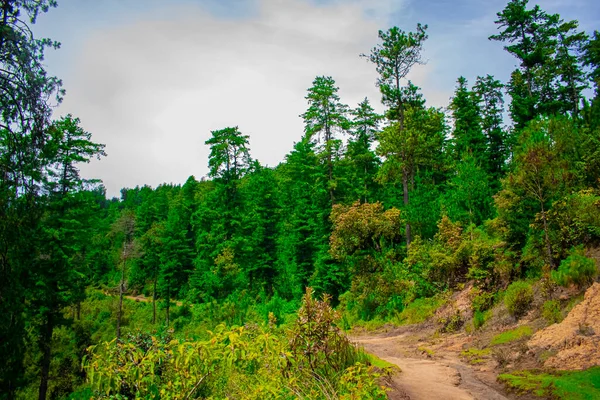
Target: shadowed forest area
(480, 220)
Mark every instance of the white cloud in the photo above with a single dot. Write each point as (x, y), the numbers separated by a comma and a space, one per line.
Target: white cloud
(153, 90)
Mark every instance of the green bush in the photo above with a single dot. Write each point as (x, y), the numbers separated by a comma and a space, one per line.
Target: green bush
(483, 301)
(518, 298)
(451, 323)
(551, 312)
(311, 360)
(576, 269)
(478, 319)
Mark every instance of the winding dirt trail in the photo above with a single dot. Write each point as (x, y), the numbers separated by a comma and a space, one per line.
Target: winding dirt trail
(447, 378)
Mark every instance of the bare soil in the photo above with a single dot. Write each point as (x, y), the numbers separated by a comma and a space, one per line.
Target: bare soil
(575, 342)
(431, 368)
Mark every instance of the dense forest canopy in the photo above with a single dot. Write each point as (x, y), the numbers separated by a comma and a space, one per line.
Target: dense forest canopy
(373, 210)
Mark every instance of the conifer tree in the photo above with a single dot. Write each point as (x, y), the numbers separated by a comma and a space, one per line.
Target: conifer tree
(468, 134)
(363, 161)
(489, 92)
(325, 119)
(394, 57)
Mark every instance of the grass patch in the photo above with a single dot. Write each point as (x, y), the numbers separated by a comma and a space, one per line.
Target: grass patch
(512, 335)
(382, 364)
(576, 385)
(475, 356)
(419, 310)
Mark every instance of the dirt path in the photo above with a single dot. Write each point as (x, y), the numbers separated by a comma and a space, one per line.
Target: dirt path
(144, 299)
(441, 379)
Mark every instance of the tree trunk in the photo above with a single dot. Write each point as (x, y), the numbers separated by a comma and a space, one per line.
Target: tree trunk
(330, 168)
(120, 312)
(168, 301)
(405, 190)
(154, 302)
(46, 345)
(547, 239)
(365, 185)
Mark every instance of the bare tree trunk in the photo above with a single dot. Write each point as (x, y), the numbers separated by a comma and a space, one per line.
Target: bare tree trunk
(547, 239)
(330, 167)
(365, 184)
(46, 345)
(120, 312)
(154, 301)
(168, 300)
(405, 193)
(168, 310)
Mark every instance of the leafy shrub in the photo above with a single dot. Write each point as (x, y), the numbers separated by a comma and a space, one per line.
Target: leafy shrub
(479, 319)
(312, 360)
(576, 269)
(551, 312)
(315, 341)
(483, 301)
(451, 323)
(518, 298)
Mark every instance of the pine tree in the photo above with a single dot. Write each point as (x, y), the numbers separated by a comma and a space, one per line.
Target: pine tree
(489, 92)
(468, 134)
(363, 162)
(394, 57)
(176, 254)
(324, 119)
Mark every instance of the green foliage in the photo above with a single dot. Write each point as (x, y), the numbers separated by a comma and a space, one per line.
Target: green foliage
(420, 310)
(229, 154)
(310, 360)
(576, 385)
(479, 319)
(468, 199)
(240, 247)
(522, 332)
(576, 269)
(575, 220)
(394, 57)
(518, 298)
(451, 323)
(551, 312)
(468, 134)
(482, 301)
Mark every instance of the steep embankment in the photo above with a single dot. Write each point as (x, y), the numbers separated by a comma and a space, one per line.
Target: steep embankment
(575, 342)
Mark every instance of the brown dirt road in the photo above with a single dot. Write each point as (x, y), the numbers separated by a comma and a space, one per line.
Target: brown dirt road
(445, 378)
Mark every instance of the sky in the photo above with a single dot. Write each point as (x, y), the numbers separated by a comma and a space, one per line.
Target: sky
(152, 78)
